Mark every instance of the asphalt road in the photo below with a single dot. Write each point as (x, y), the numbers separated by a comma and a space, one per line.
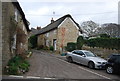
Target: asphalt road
(48, 65)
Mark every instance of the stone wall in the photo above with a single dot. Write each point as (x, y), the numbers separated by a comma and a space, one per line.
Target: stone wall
(101, 52)
(51, 36)
(10, 30)
(0, 40)
(6, 13)
(47, 38)
(67, 32)
(40, 40)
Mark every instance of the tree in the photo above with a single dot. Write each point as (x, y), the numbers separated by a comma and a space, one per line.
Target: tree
(80, 42)
(110, 29)
(33, 41)
(104, 36)
(89, 27)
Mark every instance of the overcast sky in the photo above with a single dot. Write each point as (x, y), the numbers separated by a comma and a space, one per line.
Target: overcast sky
(39, 13)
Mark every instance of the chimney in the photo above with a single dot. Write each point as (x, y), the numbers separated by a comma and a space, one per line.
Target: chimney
(38, 28)
(52, 20)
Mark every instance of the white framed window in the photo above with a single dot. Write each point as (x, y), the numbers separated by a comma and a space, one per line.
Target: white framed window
(54, 31)
(24, 29)
(16, 14)
(14, 42)
(47, 34)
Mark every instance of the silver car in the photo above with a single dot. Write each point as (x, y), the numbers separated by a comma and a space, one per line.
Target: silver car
(86, 58)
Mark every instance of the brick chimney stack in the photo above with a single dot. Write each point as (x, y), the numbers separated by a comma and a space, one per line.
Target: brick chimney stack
(38, 28)
(52, 20)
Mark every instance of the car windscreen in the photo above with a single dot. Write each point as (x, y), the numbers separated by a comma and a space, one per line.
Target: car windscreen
(90, 54)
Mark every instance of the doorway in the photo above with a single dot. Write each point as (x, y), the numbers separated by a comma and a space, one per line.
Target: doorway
(54, 43)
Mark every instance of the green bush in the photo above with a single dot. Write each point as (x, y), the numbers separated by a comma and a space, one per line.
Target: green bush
(51, 48)
(13, 70)
(17, 64)
(27, 63)
(46, 48)
(71, 46)
(16, 60)
(24, 67)
(80, 42)
(110, 43)
(104, 36)
(33, 41)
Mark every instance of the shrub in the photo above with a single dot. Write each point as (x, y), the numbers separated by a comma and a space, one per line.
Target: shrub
(80, 42)
(24, 67)
(104, 36)
(16, 60)
(51, 48)
(17, 65)
(71, 46)
(45, 48)
(13, 70)
(33, 41)
(40, 47)
(110, 43)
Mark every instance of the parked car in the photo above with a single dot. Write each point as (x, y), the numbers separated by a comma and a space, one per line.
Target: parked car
(113, 65)
(86, 58)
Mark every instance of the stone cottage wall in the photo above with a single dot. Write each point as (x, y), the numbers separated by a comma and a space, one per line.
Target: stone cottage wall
(9, 30)
(7, 9)
(40, 40)
(0, 39)
(67, 32)
(47, 38)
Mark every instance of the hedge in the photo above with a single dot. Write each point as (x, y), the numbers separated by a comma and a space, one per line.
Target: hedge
(111, 43)
(33, 41)
(80, 42)
(71, 46)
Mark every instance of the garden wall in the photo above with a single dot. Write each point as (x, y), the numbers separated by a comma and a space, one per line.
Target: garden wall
(100, 51)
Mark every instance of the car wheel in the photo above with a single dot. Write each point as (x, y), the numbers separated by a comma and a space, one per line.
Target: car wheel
(91, 65)
(109, 69)
(70, 59)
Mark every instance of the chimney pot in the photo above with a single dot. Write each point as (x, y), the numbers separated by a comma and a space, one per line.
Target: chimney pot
(52, 20)
(38, 28)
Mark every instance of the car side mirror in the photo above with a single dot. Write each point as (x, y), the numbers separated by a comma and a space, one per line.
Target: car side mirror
(83, 56)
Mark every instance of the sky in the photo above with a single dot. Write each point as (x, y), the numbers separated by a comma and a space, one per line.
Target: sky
(40, 13)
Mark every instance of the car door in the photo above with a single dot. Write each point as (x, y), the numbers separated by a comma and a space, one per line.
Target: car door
(74, 56)
(78, 57)
(82, 58)
(117, 64)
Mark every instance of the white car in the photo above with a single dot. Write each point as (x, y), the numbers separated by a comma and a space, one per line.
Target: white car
(86, 58)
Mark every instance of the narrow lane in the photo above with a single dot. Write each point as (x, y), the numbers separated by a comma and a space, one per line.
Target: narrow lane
(47, 65)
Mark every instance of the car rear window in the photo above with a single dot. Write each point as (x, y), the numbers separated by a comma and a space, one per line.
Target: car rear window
(114, 58)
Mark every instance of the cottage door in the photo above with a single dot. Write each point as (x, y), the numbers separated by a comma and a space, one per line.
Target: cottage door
(54, 44)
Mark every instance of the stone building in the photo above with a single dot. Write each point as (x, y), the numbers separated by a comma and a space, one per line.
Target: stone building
(0, 40)
(15, 30)
(58, 33)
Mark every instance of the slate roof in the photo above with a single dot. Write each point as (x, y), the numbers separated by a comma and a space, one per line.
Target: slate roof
(55, 25)
(17, 5)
